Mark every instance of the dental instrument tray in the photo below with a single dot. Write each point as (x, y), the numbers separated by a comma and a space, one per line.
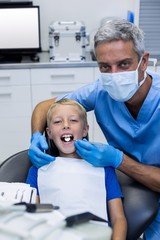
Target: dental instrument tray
(68, 41)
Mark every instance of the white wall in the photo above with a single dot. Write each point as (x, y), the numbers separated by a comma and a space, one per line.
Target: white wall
(91, 12)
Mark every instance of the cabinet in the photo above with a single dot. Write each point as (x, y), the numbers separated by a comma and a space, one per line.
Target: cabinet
(15, 114)
(52, 82)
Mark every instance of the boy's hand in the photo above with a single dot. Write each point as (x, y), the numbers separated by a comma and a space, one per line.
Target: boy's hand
(36, 150)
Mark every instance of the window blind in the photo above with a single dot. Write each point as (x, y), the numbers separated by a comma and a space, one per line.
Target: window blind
(149, 22)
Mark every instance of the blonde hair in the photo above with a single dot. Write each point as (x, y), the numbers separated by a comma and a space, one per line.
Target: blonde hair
(66, 101)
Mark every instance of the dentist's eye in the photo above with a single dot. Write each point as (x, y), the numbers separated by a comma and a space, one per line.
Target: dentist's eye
(104, 68)
(125, 64)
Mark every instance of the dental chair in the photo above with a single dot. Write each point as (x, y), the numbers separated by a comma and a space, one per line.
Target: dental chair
(140, 203)
(15, 168)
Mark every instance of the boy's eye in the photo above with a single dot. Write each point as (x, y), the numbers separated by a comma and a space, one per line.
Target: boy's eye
(57, 121)
(74, 120)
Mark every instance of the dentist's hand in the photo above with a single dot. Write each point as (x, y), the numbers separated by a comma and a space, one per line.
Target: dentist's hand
(36, 150)
(98, 154)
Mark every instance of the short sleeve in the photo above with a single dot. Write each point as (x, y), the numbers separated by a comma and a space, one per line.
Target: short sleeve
(32, 178)
(112, 185)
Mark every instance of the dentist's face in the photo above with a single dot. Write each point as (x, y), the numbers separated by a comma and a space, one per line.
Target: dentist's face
(118, 59)
(116, 56)
(65, 128)
(119, 56)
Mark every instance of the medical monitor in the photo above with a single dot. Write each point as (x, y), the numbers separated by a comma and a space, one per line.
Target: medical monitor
(19, 30)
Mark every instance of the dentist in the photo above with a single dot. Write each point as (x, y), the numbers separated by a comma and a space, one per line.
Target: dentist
(126, 102)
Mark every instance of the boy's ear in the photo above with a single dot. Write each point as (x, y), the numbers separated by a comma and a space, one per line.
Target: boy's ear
(85, 131)
(48, 132)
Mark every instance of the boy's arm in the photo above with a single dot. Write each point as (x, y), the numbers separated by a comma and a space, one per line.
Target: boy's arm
(118, 220)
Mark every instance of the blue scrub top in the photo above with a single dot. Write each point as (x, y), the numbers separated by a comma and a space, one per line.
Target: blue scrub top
(138, 138)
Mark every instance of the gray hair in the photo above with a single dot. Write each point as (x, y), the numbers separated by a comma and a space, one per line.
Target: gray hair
(120, 29)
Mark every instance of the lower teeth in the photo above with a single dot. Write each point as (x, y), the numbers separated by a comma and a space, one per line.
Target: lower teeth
(67, 139)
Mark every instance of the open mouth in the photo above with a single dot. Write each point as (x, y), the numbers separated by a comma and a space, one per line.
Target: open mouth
(67, 138)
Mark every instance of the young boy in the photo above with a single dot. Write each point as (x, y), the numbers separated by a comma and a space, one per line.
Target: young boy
(71, 182)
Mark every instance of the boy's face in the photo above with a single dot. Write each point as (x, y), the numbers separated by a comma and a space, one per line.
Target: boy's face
(66, 126)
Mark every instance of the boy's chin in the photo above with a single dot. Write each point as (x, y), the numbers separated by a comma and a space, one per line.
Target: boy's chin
(71, 154)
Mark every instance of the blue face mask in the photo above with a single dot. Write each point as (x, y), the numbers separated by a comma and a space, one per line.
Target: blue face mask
(121, 86)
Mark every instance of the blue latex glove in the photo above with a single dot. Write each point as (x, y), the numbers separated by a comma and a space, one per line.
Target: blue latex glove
(98, 154)
(36, 150)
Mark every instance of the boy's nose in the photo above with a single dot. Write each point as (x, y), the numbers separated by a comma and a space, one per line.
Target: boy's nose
(66, 125)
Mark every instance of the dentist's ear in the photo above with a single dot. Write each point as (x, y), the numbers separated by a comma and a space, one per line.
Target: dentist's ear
(145, 60)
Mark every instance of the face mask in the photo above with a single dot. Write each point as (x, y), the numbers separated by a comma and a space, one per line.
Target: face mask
(121, 86)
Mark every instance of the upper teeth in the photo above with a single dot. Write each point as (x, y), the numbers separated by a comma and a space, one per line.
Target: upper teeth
(67, 138)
